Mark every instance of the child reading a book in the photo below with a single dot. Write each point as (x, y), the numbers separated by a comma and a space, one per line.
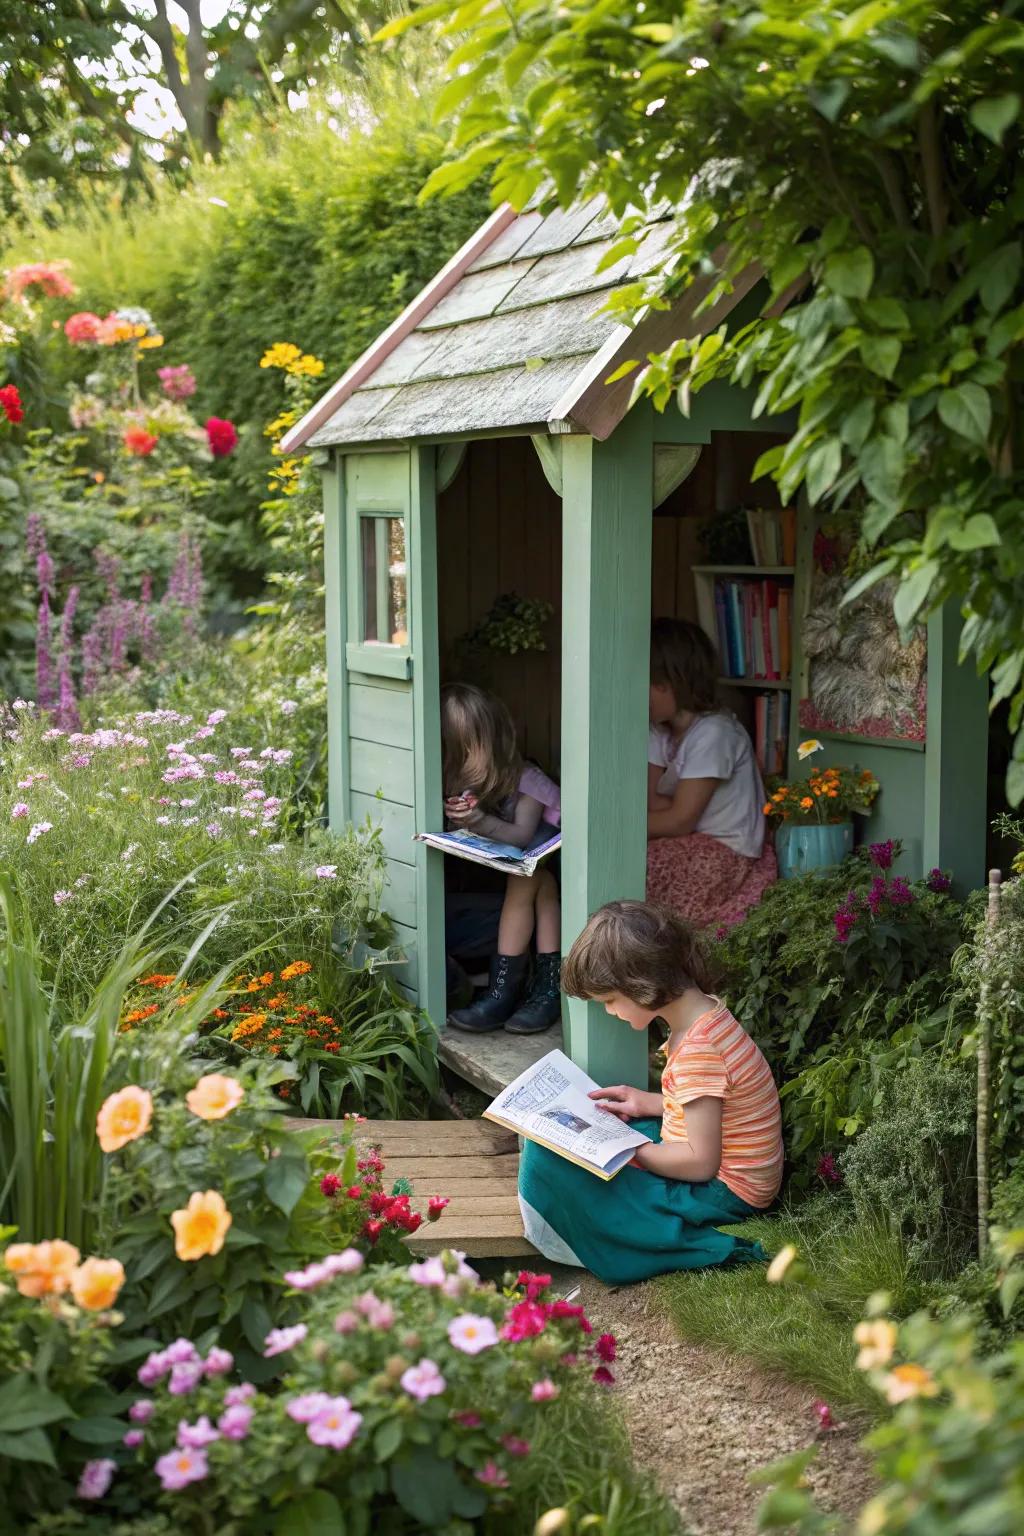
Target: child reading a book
(716, 1151)
(489, 790)
(707, 857)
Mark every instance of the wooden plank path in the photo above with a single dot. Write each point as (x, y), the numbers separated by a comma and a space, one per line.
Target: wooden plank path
(473, 1162)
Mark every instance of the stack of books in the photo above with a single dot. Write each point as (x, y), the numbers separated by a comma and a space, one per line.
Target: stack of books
(753, 627)
(771, 730)
(773, 536)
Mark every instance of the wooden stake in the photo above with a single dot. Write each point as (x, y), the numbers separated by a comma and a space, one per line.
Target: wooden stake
(984, 1052)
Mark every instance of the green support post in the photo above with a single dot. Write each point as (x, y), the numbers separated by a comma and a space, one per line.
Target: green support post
(336, 619)
(426, 685)
(606, 602)
(956, 758)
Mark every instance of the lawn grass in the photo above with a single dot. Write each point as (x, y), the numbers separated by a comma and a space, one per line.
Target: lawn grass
(804, 1331)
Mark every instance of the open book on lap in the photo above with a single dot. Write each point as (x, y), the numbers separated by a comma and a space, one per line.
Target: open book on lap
(549, 1103)
(485, 850)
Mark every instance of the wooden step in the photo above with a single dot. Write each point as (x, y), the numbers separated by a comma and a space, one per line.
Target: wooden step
(473, 1162)
(491, 1062)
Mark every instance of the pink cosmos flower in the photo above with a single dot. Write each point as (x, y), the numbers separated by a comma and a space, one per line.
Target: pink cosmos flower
(491, 1475)
(197, 1436)
(96, 1478)
(471, 1333)
(279, 1340)
(304, 1409)
(234, 1422)
(326, 871)
(132, 1438)
(218, 1362)
(141, 1411)
(544, 1391)
(235, 1395)
(18, 810)
(515, 1446)
(180, 1467)
(336, 1425)
(423, 1380)
(428, 1272)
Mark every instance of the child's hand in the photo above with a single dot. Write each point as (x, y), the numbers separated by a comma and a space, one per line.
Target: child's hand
(627, 1103)
(461, 814)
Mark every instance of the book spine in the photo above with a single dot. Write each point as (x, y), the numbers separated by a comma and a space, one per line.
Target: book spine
(722, 630)
(789, 536)
(755, 536)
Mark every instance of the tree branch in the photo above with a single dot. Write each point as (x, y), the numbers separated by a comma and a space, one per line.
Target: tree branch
(930, 146)
(862, 226)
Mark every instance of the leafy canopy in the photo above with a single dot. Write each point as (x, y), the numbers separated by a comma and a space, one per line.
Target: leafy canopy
(873, 149)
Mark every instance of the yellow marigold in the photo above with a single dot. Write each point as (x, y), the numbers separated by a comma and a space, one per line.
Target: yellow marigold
(297, 968)
(215, 1096)
(124, 1117)
(906, 1381)
(877, 1341)
(96, 1283)
(280, 424)
(157, 980)
(280, 355)
(250, 1026)
(43, 1269)
(202, 1226)
(146, 342)
(307, 366)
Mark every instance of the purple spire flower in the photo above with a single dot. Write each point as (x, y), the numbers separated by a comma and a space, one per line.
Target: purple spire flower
(46, 695)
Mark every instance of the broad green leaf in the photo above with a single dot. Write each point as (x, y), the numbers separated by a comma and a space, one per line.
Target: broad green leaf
(979, 532)
(822, 468)
(623, 370)
(829, 98)
(1002, 270)
(1015, 782)
(655, 32)
(868, 580)
(387, 1437)
(850, 273)
(285, 1182)
(912, 592)
(897, 420)
(97, 1430)
(1010, 1290)
(994, 114)
(967, 410)
(33, 1445)
(768, 461)
(429, 1488)
(881, 354)
(857, 425)
(316, 1513)
(24, 1404)
(887, 314)
(881, 468)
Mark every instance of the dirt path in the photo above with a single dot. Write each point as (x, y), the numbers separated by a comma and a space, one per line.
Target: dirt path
(725, 1419)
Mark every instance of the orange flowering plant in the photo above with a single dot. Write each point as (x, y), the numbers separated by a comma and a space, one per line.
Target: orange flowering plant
(826, 795)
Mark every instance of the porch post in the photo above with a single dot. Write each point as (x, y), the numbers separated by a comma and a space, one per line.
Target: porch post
(336, 620)
(606, 615)
(956, 758)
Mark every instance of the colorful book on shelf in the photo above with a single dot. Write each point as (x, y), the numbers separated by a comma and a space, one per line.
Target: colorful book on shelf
(772, 536)
(751, 632)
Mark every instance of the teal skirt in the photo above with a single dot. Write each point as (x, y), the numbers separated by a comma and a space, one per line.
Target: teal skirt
(638, 1224)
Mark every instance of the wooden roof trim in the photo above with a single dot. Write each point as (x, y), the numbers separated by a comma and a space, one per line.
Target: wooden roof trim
(397, 331)
(590, 405)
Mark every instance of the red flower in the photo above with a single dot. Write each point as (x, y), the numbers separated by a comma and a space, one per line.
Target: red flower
(515, 1446)
(372, 1230)
(10, 400)
(329, 1185)
(534, 1284)
(410, 1220)
(83, 327)
(435, 1205)
(604, 1377)
(566, 1309)
(355, 1192)
(221, 436)
(524, 1321)
(331, 1045)
(138, 442)
(605, 1348)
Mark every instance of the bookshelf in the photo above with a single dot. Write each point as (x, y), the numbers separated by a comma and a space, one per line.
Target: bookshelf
(748, 611)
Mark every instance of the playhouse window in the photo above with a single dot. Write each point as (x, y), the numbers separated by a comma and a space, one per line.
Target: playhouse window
(384, 572)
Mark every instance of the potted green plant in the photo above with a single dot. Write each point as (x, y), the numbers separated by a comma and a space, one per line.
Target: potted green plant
(814, 816)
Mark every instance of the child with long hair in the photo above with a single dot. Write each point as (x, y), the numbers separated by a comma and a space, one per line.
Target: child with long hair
(490, 791)
(716, 1126)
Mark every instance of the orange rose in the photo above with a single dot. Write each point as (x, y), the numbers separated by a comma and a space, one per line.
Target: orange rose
(42, 1268)
(215, 1096)
(124, 1117)
(96, 1283)
(202, 1226)
(806, 802)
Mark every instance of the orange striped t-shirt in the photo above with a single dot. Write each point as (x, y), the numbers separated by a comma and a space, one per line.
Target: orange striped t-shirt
(717, 1059)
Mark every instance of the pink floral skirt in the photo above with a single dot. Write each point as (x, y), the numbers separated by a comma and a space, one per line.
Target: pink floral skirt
(706, 882)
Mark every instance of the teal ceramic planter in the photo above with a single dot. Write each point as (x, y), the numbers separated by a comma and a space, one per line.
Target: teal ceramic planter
(801, 849)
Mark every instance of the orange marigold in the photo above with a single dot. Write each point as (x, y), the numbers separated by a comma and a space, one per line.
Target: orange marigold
(275, 1034)
(141, 1013)
(266, 978)
(157, 980)
(280, 1001)
(221, 1013)
(806, 802)
(297, 968)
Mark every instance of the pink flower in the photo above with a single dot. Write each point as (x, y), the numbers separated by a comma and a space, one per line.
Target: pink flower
(180, 1467)
(533, 1284)
(307, 1279)
(515, 1446)
(824, 1415)
(827, 1170)
(938, 882)
(336, 1425)
(82, 328)
(279, 1340)
(491, 1475)
(18, 810)
(177, 383)
(234, 1422)
(346, 1322)
(288, 706)
(218, 1362)
(604, 1377)
(154, 1368)
(60, 897)
(141, 1411)
(524, 1321)
(423, 1380)
(221, 436)
(468, 1420)
(235, 1395)
(329, 1185)
(881, 854)
(304, 1409)
(435, 1205)
(216, 716)
(326, 871)
(544, 1391)
(184, 1377)
(428, 1272)
(471, 1333)
(605, 1348)
(383, 1317)
(96, 1478)
(197, 1436)
(132, 1438)
(51, 277)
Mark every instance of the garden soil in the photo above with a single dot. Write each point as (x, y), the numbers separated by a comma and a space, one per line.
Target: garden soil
(720, 1420)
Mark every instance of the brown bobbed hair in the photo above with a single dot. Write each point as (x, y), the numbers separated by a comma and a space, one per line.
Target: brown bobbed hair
(642, 951)
(684, 658)
(478, 745)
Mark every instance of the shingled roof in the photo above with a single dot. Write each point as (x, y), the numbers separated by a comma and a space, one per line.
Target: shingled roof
(509, 335)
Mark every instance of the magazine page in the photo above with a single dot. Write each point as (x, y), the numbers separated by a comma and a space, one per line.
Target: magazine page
(549, 1103)
(485, 850)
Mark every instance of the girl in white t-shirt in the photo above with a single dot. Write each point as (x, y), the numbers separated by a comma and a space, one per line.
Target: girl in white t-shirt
(707, 856)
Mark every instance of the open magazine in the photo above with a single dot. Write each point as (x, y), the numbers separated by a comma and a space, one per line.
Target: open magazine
(549, 1104)
(484, 850)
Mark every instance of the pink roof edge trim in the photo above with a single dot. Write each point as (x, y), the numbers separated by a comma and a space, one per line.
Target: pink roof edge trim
(426, 300)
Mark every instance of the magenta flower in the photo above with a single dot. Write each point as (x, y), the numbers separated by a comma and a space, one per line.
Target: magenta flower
(218, 1362)
(346, 1322)
(604, 1377)
(881, 854)
(197, 1436)
(491, 1475)
(938, 882)
(180, 1467)
(544, 1391)
(824, 1415)
(845, 919)
(132, 1438)
(235, 1395)
(428, 1272)
(515, 1445)
(177, 383)
(605, 1348)
(336, 1425)
(468, 1420)
(471, 1333)
(96, 1478)
(423, 1380)
(877, 894)
(18, 810)
(827, 1170)
(305, 1409)
(185, 1377)
(900, 893)
(279, 1340)
(154, 1368)
(524, 1321)
(141, 1411)
(234, 1422)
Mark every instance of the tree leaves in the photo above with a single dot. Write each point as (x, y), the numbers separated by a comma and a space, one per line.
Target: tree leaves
(316, 1513)
(994, 114)
(913, 591)
(850, 273)
(967, 409)
(881, 354)
(285, 1181)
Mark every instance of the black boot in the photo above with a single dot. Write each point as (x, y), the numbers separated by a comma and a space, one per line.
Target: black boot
(543, 1003)
(498, 1002)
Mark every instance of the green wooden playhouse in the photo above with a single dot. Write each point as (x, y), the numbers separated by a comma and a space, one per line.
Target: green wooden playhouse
(476, 449)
